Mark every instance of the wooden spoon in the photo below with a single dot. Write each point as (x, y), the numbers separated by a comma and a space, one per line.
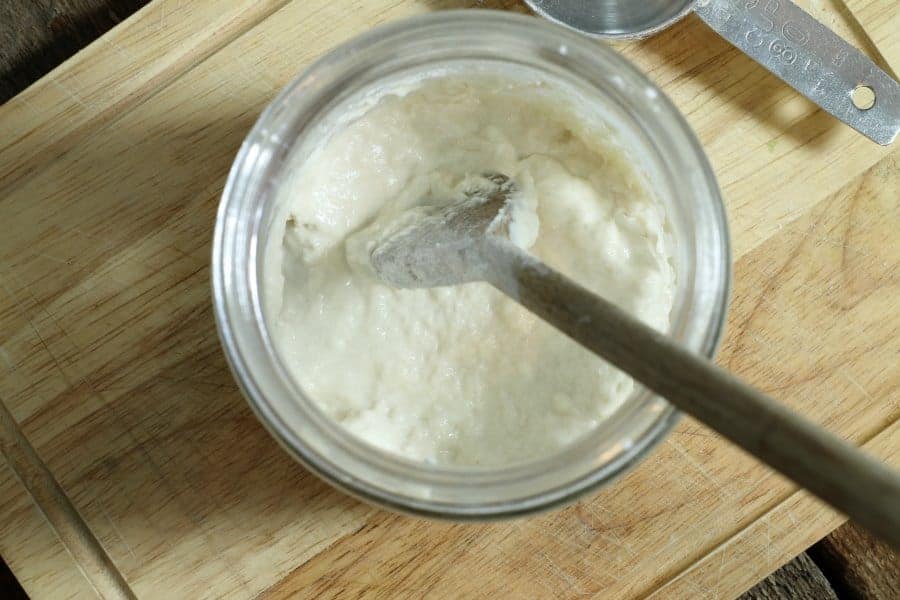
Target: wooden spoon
(467, 241)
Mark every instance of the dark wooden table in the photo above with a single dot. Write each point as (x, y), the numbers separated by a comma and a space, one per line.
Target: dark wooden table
(37, 35)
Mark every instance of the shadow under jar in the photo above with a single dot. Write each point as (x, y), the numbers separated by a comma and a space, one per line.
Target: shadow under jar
(648, 126)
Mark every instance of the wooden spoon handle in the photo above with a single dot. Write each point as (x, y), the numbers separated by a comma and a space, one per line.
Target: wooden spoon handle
(860, 486)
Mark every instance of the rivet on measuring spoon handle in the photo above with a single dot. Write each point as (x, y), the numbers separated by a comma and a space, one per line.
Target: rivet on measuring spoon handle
(806, 54)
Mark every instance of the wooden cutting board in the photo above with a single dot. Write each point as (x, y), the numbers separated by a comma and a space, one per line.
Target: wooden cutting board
(133, 465)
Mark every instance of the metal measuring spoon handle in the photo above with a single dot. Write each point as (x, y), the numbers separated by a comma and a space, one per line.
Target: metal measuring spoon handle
(811, 58)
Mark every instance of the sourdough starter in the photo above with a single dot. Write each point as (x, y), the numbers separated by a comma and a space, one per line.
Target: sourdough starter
(461, 375)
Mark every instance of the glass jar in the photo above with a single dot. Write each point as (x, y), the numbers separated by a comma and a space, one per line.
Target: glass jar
(648, 125)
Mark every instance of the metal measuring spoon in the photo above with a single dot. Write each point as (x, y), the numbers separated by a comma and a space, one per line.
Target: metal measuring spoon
(777, 34)
(467, 241)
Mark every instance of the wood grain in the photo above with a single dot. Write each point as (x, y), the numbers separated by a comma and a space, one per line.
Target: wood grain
(37, 35)
(860, 566)
(114, 74)
(776, 535)
(32, 548)
(800, 579)
(878, 19)
(63, 517)
(113, 372)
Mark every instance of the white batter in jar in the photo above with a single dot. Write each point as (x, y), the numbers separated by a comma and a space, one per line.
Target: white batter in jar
(461, 375)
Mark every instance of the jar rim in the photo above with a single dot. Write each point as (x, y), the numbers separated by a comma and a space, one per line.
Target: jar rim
(262, 377)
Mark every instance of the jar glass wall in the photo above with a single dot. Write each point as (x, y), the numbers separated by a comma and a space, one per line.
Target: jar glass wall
(646, 123)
